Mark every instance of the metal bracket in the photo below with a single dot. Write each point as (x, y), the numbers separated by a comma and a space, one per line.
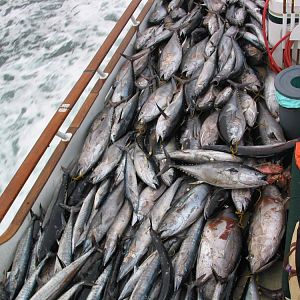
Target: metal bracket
(102, 74)
(134, 21)
(66, 137)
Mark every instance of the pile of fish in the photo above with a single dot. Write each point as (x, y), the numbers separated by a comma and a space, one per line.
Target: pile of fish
(181, 182)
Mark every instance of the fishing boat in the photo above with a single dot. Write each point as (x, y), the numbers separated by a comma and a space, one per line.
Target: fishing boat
(49, 180)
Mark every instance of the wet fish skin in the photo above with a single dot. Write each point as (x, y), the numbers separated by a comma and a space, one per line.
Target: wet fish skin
(158, 14)
(96, 141)
(147, 199)
(160, 97)
(144, 168)
(215, 200)
(132, 281)
(258, 32)
(199, 156)
(269, 94)
(232, 123)
(209, 133)
(161, 34)
(224, 50)
(239, 61)
(20, 263)
(123, 116)
(241, 198)
(206, 101)
(70, 293)
(167, 271)
(192, 20)
(216, 6)
(266, 228)
(143, 37)
(236, 15)
(166, 124)
(120, 171)
(269, 130)
(131, 186)
(142, 238)
(53, 288)
(220, 246)
(190, 138)
(252, 290)
(116, 230)
(101, 192)
(228, 175)
(170, 58)
(212, 22)
(105, 215)
(185, 212)
(29, 285)
(99, 285)
(64, 251)
(174, 4)
(177, 13)
(223, 97)
(206, 74)
(163, 204)
(109, 160)
(249, 108)
(83, 217)
(214, 41)
(187, 254)
(194, 58)
(253, 39)
(124, 83)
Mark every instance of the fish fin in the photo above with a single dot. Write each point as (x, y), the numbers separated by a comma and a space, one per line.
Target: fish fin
(196, 182)
(62, 264)
(162, 112)
(168, 164)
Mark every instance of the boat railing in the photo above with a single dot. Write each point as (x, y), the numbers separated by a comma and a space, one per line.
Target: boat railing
(52, 129)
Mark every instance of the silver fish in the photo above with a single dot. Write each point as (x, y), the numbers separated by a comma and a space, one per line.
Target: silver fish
(266, 228)
(190, 138)
(82, 218)
(209, 133)
(143, 37)
(160, 97)
(187, 253)
(123, 116)
(120, 171)
(186, 212)
(116, 230)
(171, 117)
(200, 156)
(110, 160)
(269, 130)
(228, 175)
(220, 247)
(20, 263)
(99, 285)
(105, 215)
(206, 74)
(131, 186)
(64, 252)
(158, 14)
(53, 288)
(124, 83)
(170, 58)
(214, 41)
(144, 168)
(70, 293)
(249, 108)
(194, 58)
(232, 123)
(269, 94)
(96, 141)
(241, 198)
(147, 199)
(223, 97)
(206, 101)
(30, 283)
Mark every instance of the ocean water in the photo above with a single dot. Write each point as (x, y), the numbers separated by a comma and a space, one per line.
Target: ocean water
(44, 47)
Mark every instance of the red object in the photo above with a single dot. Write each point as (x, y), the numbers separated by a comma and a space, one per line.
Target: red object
(297, 154)
(287, 51)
